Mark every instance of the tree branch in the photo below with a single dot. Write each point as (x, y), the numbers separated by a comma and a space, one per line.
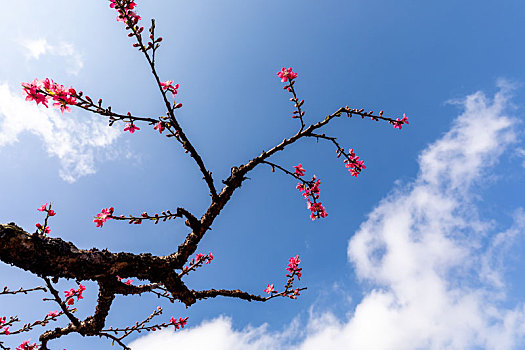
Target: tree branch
(171, 113)
(212, 293)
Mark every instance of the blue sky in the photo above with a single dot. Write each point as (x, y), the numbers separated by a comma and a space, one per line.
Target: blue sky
(423, 250)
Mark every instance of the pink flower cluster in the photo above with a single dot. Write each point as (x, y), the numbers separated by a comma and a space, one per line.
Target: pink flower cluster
(70, 294)
(45, 229)
(269, 289)
(52, 314)
(26, 346)
(43, 91)
(286, 74)
(131, 127)
(125, 9)
(293, 270)
(46, 209)
(311, 189)
(198, 261)
(200, 257)
(316, 210)
(181, 322)
(168, 85)
(6, 329)
(354, 165)
(293, 267)
(103, 216)
(160, 127)
(399, 123)
(299, 170)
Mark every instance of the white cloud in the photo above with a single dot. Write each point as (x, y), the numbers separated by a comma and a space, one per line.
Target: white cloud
(75, 141)
(436, 269)
(216, 334)
(423, 247)
(38, 47)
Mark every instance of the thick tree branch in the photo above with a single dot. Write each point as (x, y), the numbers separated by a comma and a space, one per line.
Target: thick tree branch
(54, 257)
(212, 293)
(63, 259)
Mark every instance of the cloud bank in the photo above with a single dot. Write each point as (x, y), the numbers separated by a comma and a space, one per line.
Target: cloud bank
(430, 256)
(434, 266)
(75, 141)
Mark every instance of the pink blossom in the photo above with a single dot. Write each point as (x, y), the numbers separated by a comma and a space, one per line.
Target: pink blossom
(63, 96)
(26, 346)
(43, 207)
(159, 126)
(62, 106)
(81, 288)
(293, 266)
(181, 322)
(34, 93)
(41, 92)
(311, 189)
(103, 216)
(70, 294)
(125, 10)
(51, 212)
(398, 123)
(353, 164)
(47, 83)
(315, 187)
(52, 314)
(198, 257)
(286, 74)
(299, 170)
(131, 128)
(6, 331)
(47, 230)
(269, 289)
(293, 262)
(166, 85)
(210, 258)
(23, 345)
(316, 210)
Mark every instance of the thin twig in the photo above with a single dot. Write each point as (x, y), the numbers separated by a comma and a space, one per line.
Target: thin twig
(185, 141)
(21, 290)
(63, 305)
